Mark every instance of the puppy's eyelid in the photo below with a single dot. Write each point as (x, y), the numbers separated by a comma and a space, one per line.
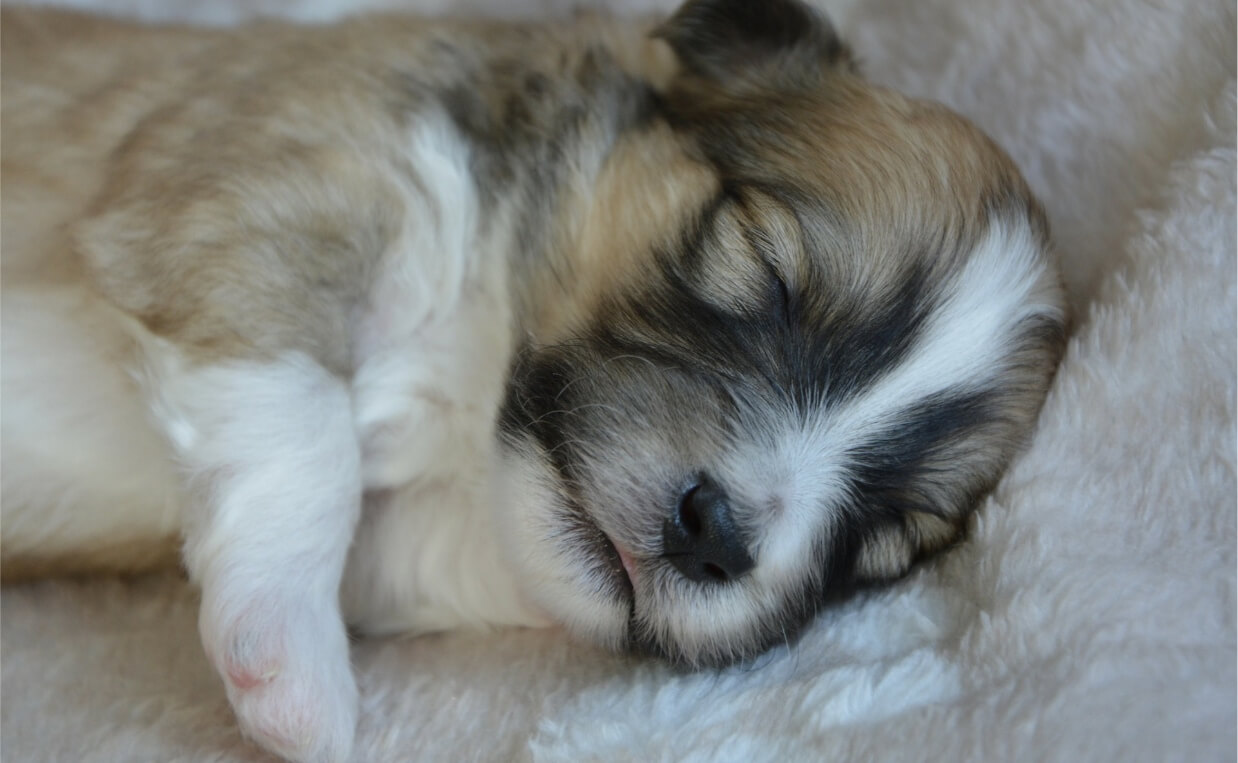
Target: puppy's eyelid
(764, 249)
(775, 235)
(783, 301)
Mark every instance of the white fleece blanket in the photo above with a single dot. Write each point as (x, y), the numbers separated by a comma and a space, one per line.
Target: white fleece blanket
(1090, 617)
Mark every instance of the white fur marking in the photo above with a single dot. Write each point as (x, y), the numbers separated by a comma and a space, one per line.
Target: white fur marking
(82, 467)
(433, 347)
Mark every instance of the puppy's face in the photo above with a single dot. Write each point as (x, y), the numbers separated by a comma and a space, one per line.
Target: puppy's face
(835, 323)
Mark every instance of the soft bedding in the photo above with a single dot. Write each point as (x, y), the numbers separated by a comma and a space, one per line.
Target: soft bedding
(1091, 615)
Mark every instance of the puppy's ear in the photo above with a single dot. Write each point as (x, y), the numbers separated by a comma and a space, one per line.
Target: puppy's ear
(733, 41)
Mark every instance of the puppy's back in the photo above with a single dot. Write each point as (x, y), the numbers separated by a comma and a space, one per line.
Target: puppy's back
(86, 485)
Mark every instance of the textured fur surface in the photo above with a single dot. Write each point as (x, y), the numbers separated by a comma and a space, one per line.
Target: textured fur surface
(1100, 623)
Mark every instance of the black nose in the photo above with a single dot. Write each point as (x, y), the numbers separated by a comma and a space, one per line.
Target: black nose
(701, 538)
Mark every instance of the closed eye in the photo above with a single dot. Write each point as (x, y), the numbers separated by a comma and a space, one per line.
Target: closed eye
(780, 298)
(781, 305)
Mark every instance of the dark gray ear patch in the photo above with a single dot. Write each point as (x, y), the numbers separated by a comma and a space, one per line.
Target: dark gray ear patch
(720, 39)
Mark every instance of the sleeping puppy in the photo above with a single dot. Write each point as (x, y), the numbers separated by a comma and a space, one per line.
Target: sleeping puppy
(669, 336)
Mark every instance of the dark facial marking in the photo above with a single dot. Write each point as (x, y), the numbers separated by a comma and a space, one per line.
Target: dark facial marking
(888, 467)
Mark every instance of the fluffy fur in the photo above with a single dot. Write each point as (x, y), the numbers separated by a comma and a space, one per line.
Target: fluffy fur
(1051, 636)
(752, 331)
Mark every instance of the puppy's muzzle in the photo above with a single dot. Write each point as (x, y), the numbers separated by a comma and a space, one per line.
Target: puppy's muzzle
(701, 538)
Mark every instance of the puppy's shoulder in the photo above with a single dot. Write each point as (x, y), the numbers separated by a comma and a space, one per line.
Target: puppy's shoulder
(248, 186)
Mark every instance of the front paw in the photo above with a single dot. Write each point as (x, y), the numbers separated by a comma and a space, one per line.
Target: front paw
(286, 668)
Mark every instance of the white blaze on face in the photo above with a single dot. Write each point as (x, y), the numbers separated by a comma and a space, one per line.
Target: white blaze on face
(799, 466)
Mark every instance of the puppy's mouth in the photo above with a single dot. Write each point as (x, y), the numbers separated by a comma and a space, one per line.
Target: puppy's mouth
(616, 565)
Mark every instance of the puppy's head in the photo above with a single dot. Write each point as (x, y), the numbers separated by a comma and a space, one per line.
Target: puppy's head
(826, 319)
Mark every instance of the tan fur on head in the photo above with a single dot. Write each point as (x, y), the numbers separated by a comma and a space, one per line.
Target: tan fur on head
(645, 192)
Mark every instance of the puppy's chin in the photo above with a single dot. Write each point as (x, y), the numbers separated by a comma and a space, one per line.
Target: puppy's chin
(563, 562)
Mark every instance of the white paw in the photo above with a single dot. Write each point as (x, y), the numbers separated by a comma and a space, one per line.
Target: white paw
(286, 667)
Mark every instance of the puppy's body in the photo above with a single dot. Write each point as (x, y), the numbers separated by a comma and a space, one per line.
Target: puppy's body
(667, 340)
(106, 321)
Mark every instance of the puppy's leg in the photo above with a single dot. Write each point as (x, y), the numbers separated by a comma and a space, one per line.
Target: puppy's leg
(274, 478)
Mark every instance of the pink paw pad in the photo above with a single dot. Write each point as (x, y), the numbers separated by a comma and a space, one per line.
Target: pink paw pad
(246, 678)
(252, 655)
(287, 674)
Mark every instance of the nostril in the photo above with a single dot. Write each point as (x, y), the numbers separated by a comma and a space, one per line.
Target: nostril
(715, 572)
(689, 515)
